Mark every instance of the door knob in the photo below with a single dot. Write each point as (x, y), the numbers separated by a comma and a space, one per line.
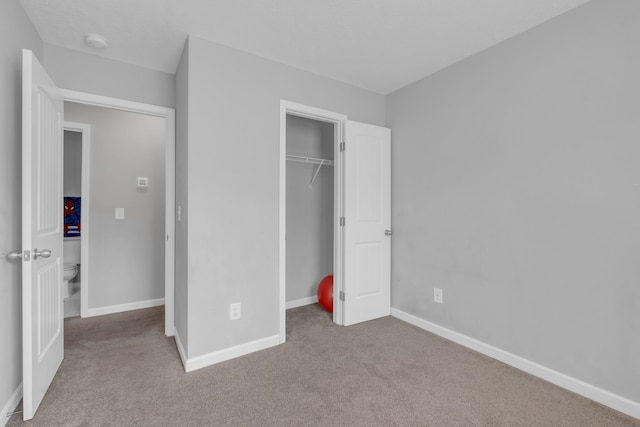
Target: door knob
(387, 232)
(45, 253)
(14, 256)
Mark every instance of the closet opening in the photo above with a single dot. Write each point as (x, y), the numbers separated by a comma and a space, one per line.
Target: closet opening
(310, 206)
(310, 212)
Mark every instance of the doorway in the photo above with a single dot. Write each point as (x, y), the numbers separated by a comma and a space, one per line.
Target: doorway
(310, 211)
(140, 188)
(76, 166)
(42, 222)
(327, 123)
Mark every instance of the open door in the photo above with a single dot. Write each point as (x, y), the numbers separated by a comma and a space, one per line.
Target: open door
(42, 305)
(367, 213)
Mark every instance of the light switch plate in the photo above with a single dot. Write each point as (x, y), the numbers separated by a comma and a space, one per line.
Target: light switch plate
(437, 295)
(234, 311)
(119, 213)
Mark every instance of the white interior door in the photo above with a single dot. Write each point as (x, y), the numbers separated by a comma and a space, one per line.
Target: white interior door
(42, 305)
(367, 231)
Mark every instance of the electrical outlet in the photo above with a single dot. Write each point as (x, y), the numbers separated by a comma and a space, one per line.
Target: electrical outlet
(234, 311)
(437, 295)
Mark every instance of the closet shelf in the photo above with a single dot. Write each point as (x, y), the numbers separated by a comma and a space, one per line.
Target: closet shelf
(313, 160)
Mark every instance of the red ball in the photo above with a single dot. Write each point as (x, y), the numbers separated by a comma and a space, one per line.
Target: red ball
(325, 293)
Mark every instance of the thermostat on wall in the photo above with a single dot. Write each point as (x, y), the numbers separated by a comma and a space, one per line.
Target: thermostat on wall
(143, 182)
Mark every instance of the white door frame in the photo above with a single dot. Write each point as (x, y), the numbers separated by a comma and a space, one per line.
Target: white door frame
(170, 145)
(85, 191)
(338, 120)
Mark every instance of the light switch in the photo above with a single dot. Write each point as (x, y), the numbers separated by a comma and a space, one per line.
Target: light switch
(119, 213)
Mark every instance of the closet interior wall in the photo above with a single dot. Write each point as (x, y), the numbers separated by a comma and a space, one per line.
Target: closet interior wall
(309, 217)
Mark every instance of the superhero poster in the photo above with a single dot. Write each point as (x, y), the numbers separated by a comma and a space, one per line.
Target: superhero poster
(72, 217)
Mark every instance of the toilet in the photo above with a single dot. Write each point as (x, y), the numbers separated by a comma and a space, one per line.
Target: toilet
(71, 258)
(70, 272)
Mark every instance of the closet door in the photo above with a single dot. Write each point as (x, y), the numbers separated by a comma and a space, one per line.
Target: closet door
(367, 213)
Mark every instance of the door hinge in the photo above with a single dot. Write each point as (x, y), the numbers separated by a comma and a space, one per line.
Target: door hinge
(342, 221)
(341, 295)
(342, 144)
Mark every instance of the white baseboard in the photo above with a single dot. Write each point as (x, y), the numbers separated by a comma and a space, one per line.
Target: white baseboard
(181, 350)
(589, 391)
(171, 331)
(301, 302)
(230, 353)
(111, 309)
(11, 405)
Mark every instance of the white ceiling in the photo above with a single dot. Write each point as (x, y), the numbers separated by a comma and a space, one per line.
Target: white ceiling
(380, 45)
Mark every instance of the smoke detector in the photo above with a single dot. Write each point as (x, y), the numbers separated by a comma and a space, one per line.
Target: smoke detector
(95, 41)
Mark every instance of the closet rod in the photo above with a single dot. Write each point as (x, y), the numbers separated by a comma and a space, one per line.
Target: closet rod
(313, 160)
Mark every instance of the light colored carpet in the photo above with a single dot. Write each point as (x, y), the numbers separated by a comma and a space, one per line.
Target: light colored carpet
(120, 370)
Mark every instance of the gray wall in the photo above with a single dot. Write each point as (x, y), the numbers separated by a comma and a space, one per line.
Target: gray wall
(309, 210)
(126, 256)
(181, 267)
(16, 33)
(515, 190)
(83, 72)
(72, 164)
(233, 185)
